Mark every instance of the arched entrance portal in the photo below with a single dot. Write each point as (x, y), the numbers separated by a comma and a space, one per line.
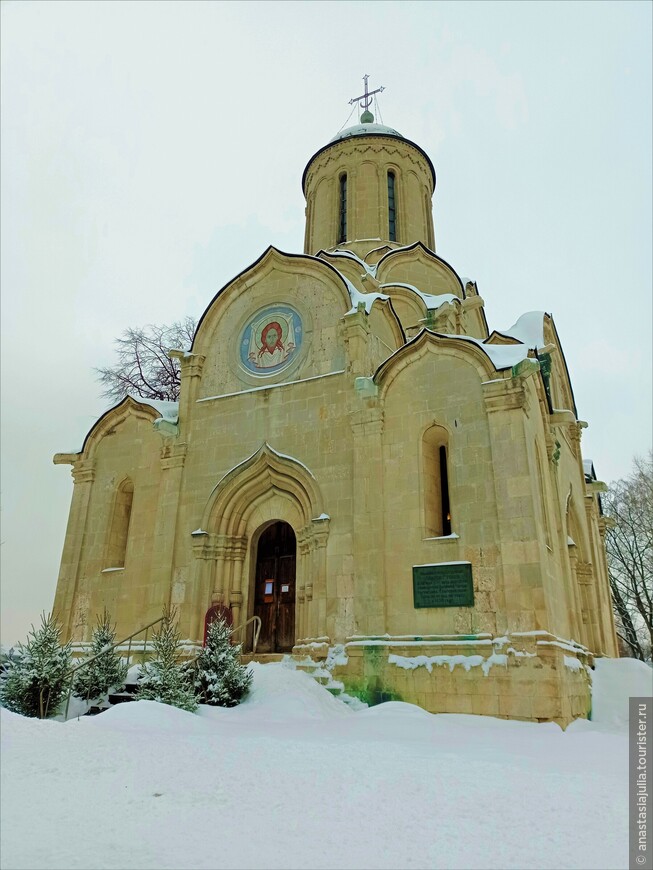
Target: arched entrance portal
(274, 592)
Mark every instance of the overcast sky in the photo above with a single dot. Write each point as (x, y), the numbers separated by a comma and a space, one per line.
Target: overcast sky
(152, 150)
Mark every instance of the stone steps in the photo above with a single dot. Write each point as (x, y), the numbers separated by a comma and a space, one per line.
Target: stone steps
(315, 668)
(262, 658)
(125, 695)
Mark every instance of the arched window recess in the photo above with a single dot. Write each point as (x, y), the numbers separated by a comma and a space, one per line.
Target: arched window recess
(116, 550)
(342, 212)
(392, 207)
(435, 471)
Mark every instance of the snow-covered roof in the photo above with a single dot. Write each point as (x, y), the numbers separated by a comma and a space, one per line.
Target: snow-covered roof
(368, 299)
(529, 329)
(366, 130)
(502, 356)
(432, 302)
(343, 252)
(168, 410)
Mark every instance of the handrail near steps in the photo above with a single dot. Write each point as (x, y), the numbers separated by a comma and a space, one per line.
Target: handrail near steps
(257, 630)
(87, 662)
(73, 673)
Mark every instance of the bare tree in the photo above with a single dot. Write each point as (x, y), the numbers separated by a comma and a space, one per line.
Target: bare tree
(143, 366)
(630, 556)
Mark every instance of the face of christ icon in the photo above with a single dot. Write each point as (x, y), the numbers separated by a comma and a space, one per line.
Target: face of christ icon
(270, 340)
(271, 349)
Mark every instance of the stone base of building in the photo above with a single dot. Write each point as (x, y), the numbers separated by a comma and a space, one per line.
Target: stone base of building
(533, 676)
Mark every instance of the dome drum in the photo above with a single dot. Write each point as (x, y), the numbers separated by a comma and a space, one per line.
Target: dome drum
(368, 183)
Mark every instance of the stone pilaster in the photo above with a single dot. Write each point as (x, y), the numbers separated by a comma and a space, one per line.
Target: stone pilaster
(356, 331)
(303, 575)
(191, 365)
(173, 456)
(237, 551)
(370, 592)
(520, 580)
(65, 604)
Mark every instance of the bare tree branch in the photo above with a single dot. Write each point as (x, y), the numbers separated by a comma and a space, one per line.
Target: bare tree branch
(143, 367)
(629, 547)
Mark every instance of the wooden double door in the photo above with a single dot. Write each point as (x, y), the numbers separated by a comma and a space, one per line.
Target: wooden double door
(274, 596)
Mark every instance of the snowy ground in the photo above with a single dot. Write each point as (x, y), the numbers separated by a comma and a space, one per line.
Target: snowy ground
(295, 779)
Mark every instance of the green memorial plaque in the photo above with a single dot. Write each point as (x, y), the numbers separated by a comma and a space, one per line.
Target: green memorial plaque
(448, 584)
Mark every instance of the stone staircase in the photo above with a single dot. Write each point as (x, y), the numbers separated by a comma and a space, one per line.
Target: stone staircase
(318, 669)
(262, 658)
(126, 694)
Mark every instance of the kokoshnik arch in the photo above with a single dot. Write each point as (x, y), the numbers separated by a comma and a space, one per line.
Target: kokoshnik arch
(356, 458)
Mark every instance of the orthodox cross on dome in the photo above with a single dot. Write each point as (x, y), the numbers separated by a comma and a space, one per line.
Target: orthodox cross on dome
(365, 101)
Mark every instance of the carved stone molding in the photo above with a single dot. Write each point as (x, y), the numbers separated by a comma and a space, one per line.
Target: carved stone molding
(191, 364)
(173, 456)
(504, 395)
(584, 573)
(83, 471)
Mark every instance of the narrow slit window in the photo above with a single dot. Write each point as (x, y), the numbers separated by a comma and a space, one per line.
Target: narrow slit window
(342, 222)
(392, 209)
(444, 492)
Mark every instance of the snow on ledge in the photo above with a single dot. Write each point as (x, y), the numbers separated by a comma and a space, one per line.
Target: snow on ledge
(270, 386)
(350, 255)
(452, 537)
(414, 642)
(572, 663)
(356, 637)
(169, 411)
(565, 646)
(358, 298)
(431, 301)
(410, 663)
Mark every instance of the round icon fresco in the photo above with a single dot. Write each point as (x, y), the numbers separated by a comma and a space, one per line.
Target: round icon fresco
(271, 340)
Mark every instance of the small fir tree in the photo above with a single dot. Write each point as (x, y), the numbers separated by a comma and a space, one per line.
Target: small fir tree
(220, 679)
(107, 670)
(164, 678)
(37, 677)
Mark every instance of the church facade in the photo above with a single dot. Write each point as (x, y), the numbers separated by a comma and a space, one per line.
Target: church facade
(394, 488)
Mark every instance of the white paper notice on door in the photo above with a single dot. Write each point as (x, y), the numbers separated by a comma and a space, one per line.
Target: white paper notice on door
(285, 588)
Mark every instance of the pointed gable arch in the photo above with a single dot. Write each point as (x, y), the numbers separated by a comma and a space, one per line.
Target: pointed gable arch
(428, 342)
(415, 264)
(410, 306)
(374, 256)
(349, 266)
(271, 260)
(241, 490)
(496, 337)
(386, 325)
(108, 423)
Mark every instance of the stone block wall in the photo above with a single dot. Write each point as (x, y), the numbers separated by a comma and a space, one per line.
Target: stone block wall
(531, 676)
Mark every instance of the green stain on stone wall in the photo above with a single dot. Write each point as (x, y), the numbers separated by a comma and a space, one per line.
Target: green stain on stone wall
(370, 688)
(371, 692)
